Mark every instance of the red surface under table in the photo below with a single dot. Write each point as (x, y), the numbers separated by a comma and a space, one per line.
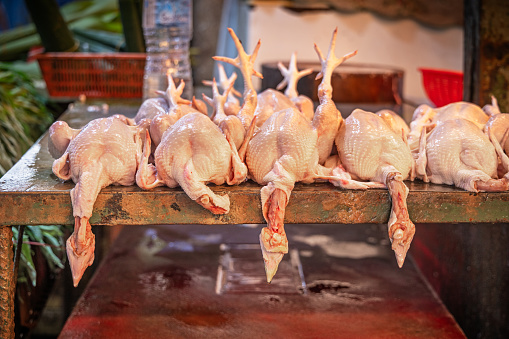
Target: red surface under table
(162, 282)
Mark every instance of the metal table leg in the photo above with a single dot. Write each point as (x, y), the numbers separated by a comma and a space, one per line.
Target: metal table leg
(7, 284)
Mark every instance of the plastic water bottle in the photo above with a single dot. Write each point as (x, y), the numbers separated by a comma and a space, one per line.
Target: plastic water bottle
(168, 29)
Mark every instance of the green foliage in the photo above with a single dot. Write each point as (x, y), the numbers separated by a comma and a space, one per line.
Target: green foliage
(50, 240)
(23, 115)
(23, 118)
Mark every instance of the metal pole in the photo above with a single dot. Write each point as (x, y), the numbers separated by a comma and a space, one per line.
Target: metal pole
(7, 285)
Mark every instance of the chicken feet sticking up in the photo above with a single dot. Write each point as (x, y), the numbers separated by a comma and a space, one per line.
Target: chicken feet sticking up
(230, 124)
(245, 63)
(232, 104)
(291, 77)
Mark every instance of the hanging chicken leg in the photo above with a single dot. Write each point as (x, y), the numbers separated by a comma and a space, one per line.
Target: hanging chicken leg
(103, 153)
(370, 149)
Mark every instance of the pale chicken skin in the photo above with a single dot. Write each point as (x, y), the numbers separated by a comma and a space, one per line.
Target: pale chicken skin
(425, 117)
(150, 108)
(177, 108)
(498, 124)
(193, 153)
(458, 153)
(370, 149)
(105, 152)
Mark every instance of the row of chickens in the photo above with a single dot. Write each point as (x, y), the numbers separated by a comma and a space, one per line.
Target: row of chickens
(276, 140)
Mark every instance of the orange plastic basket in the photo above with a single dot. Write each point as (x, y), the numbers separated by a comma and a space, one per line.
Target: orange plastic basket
(442, 86)
(97, 75)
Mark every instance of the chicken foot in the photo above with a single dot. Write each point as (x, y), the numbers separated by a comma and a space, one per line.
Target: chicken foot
(80, 247)
(401, 228)
(245, 63)
(273, 241)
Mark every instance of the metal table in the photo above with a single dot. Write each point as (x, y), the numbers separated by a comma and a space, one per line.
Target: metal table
(31, 195)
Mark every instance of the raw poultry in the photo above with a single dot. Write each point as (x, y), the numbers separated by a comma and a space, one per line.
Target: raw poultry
(370, 147)
(167, 109)
(456, 151)
(178, 108)
(426, 117)
(287, 149)
(104, 152)
(192, 153)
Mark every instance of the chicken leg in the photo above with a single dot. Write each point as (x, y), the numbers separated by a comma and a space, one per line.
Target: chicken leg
(80, 247)
(401, 228)
(273, 241)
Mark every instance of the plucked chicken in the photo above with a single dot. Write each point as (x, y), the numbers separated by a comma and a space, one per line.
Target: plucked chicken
(105, 152)
(151, 108)
(395, 122)
(177, 108)
(457, 152)
(286, 149)
(371, 148)
(192, 153)
(425, 117)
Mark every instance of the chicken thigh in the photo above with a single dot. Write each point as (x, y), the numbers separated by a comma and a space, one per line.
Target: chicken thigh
(105, 152)
(369, 149)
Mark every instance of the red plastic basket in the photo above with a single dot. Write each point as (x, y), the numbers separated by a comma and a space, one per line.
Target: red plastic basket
(97, 75)
(442, 86)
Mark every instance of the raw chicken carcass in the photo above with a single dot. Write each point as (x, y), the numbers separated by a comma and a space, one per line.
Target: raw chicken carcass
(192, 153)
(425, 117)
(498, 124)
(287, 149)
(370, 149)
(457, 152)
(105, 152)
